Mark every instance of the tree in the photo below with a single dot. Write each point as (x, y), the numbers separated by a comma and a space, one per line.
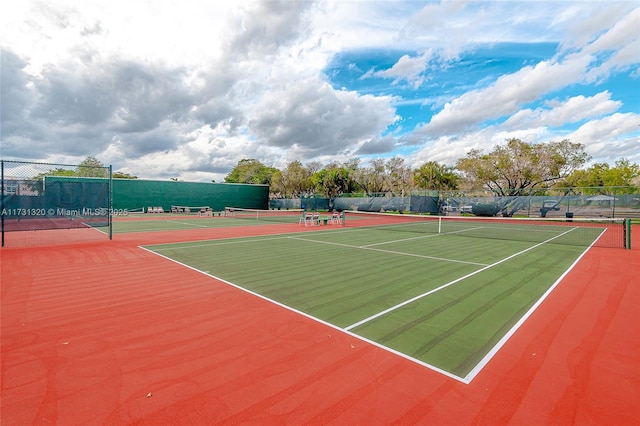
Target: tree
(314, 166)
(58, 171)
(353, 164)
(293, 181)
(517, 166)
(399, 177)
(92, 167)
(371, 179)
(122, 175)
(333, 181)
(36, 183)
(599, 175)
(89, 167)
(436, 176)
(250, 171)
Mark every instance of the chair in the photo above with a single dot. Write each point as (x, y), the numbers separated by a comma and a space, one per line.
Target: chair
(306, 219)
(335, 218)
(315, 220)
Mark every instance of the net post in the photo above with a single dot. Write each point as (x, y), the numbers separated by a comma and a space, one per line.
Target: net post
(628, 233)
(439, 224)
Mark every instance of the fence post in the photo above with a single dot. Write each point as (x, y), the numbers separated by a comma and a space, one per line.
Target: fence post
(2, 190)
(613, 212)
(110, 217)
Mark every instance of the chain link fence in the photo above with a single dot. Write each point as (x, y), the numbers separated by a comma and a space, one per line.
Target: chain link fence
(46, 196)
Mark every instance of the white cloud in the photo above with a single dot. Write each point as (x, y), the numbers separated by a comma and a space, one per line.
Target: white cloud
(448, 149)
(581, 23)
(311, 116)
(150, 30)
(557, 113)
(408, 68)
(505, 96)
(622, 33)
(611, 138)
(620, 45)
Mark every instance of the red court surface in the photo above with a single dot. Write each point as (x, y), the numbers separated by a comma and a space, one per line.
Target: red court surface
(105, 333)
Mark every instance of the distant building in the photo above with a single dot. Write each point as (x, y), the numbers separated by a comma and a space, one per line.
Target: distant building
(18, 186)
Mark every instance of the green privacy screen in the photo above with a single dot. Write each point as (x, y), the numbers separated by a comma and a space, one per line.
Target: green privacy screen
(138, 194)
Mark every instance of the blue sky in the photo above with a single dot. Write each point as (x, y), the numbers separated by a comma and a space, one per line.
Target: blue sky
(164, 89)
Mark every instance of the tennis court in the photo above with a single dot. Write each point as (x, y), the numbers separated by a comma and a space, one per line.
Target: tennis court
(444, 295)
(336, 324)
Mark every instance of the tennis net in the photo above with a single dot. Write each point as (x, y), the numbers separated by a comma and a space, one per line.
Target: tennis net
(613, 233)
(283, 216)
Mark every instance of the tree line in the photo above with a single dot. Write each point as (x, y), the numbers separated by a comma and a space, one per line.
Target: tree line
(514, 168)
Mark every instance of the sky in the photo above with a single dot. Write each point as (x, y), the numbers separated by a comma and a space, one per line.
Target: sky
(186, 89)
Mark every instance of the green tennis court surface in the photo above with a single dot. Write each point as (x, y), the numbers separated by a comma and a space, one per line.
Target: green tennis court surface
(178, 223)
(445, 300)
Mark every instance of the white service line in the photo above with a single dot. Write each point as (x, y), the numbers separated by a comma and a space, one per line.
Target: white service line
(400, 253)
(422, 236)
(185, 223)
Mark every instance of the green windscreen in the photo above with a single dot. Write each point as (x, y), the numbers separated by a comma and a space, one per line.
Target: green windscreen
(130, 194)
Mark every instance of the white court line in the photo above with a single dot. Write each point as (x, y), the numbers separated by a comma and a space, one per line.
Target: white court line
(400, 253)
(185, 223)
(485, 360)
(222, 242)
(422, 236)
(100, 230)
(163, 230)
(248, 238)
(304, 314)
(420, 296)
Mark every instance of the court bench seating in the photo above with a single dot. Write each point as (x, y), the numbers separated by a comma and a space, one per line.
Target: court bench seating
(314, 219)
